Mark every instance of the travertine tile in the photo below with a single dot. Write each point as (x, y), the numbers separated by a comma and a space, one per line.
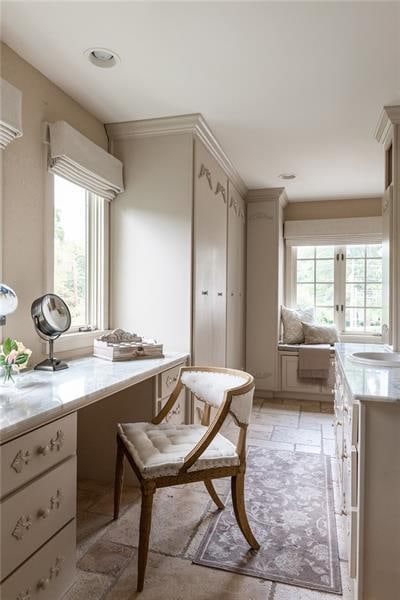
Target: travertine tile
(275, 418)
(289, 592)
(297, 436)
(310, 449)
(105, 557)
(177, 579)
(176, 514)
(90, 586)
(105, 504)
(272, 445)
(90, 527)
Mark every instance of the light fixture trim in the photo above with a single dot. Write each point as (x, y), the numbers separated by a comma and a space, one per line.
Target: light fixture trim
(287, 176)
(102, 57)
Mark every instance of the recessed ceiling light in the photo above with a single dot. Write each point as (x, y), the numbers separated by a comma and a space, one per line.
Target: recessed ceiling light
(102, 57)
(287, 176)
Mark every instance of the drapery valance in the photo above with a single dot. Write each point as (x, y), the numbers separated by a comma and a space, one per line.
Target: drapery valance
(10, 113)
(78, 159)
(334, 232)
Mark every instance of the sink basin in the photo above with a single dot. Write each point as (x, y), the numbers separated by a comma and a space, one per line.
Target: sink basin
(378, 359)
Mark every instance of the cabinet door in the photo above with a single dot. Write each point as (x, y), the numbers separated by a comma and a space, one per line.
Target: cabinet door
(235, 344)
(291, 381)
(210, 258)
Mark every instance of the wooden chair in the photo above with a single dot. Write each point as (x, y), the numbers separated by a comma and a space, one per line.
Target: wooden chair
(163, 454)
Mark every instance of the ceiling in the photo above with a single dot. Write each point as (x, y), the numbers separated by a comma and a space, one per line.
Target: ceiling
(286, 87)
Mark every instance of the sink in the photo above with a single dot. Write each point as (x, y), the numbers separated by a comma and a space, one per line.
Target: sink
(377, 359)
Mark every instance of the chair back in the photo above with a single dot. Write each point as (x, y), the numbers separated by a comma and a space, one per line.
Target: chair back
(217, 385)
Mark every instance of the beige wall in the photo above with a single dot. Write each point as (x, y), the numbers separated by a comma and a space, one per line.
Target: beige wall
(333, 209)
(24, 183)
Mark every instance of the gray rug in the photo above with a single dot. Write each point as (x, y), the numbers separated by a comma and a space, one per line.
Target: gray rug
(290, 506)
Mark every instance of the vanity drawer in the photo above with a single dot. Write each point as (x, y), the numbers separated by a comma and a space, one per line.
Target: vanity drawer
(177, 414)
(47, 574)
(31, 454)
(167, 381)
(32, 515)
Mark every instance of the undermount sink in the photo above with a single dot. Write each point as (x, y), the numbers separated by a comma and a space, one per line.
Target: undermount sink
(378, 359)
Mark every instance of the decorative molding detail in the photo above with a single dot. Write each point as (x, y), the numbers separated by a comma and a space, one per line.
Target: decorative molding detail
(387, 199)
(24, 595)
(193, 123)
(273, 194)
(22, 458)
(260, 215)
(220, 189)
(262, 375)
(389, 116)
(57, 442)
(22, 525)
(207, 173)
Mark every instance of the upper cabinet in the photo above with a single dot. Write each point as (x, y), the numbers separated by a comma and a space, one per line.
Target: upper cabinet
(176, 249)
(388, 134)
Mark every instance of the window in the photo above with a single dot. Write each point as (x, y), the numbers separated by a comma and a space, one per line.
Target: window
(344, 284)
(79, 253)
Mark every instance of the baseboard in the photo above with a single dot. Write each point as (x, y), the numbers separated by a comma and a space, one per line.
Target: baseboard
(270, 394)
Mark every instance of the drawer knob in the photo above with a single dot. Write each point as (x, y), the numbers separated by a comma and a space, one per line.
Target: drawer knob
(44, 583)
(204, 292)
(43, 450)
(22, 525)
(43, 513)
(170, 379)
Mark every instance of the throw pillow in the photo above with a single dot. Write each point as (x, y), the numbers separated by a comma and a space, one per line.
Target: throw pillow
(292, 323)
(319, 334)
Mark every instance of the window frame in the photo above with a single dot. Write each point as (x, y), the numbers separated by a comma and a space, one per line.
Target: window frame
(98, 218)
(339, 290)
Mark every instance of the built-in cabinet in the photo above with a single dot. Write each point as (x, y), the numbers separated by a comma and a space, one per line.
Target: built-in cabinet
(178, 240)
(368, 449)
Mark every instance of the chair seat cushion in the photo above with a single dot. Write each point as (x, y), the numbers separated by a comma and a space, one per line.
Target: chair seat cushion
(159, 450)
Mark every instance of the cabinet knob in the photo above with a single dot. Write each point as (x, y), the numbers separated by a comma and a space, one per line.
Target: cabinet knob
(44, 583)
(43, 450)
(44, 513)
(220, 293)
(204, 292)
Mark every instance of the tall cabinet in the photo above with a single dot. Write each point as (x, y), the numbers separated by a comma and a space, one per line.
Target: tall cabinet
(388, 133)
(177, 240)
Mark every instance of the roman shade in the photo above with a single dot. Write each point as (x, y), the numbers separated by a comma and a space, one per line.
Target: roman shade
(78, 159)
(334, 232)
(10, 113)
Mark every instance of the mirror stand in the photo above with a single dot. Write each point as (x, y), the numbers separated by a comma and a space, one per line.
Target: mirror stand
(51, 363)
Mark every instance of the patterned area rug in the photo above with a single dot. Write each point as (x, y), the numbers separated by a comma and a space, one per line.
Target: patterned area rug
(290, 506)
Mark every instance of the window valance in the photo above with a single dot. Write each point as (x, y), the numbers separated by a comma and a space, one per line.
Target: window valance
(78, 159)
(333, 232)
(10, 113)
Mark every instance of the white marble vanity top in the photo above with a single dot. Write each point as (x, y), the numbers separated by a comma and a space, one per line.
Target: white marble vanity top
(368, 382)
(41, 396)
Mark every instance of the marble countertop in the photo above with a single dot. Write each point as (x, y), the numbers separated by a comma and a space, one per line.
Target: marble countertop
(41, 396)
(368, 382)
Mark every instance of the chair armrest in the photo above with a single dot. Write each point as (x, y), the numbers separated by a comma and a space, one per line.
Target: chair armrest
(209, 435)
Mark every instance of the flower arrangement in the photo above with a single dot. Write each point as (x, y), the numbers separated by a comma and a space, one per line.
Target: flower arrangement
(13, 357)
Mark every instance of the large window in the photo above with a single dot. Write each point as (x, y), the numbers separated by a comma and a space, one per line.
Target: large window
(79, 253)
(343, 284)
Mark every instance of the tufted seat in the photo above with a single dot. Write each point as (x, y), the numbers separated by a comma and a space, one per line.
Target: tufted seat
(160, 450)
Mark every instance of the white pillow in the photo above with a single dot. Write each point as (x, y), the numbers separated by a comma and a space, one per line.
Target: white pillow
(292, 323)
(319, 334)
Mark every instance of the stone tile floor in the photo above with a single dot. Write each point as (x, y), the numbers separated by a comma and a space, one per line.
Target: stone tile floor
(107, 550)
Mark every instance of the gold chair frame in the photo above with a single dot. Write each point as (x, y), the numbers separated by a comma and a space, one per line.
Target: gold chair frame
(237, 472)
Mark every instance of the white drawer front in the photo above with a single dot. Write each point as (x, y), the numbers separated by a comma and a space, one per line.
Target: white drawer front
(32, 515)
(168, 381)
(47, 574)
(177, 414)
(31, 454)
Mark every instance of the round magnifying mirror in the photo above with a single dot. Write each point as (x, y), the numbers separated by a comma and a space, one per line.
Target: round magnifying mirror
(51, 317)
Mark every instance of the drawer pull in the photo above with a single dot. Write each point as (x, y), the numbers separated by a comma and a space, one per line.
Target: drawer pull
(344, 456)
(170, 380)
(55, 501)
(173, 412)
(44, 513)
(44, 583)
(22, 458)
(43, 450)
(54, 571)
(22, 525)
(220, 293)
(57, 442)
(204, 292)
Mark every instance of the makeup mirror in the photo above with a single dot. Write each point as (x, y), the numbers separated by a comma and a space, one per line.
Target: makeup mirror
(51, 317)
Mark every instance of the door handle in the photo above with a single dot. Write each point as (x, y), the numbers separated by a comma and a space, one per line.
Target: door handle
(220, 293)
(205, 292)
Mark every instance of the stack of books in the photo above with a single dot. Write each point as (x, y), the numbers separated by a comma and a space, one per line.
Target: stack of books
(120, 345)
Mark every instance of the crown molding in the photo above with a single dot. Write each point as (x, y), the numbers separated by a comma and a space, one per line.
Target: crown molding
(194, 124)
(390, 115)
(271, 194)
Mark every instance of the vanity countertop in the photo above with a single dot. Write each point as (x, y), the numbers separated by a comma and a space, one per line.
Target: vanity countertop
(42, 396)
(366, 382)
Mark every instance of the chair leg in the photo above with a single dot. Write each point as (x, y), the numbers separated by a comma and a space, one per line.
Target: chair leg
(237, 486)
(211, 490)
(119, 477)
(144, 532)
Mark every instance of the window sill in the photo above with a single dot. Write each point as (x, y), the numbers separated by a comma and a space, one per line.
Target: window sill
(74, 341)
